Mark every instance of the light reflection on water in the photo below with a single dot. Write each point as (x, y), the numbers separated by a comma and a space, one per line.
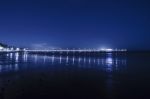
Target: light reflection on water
(107, 76)
(107, 62)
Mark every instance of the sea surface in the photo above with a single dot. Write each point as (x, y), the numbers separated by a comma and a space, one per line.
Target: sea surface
(105, 76)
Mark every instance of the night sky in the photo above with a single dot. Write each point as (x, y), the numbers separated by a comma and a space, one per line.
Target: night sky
(76, 23)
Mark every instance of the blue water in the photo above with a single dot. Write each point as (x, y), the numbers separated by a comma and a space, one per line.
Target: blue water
(107, 76)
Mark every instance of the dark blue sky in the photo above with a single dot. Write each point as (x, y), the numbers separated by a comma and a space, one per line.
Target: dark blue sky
(76, 23)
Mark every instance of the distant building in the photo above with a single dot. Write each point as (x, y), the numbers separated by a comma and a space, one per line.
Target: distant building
(5, 47)
(1, 47)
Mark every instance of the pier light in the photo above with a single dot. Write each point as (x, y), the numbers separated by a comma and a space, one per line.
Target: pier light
(116, 49)
(122, 50)
(109, 50)
(17, 49)
(23, 49)
(106, 49)
(102, 49)
(7, 49)
(12, 49)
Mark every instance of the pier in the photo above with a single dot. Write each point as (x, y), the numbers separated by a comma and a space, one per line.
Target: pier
(67, 52)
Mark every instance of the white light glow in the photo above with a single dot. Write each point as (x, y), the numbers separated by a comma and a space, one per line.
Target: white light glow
(109, 50)
(106, 49)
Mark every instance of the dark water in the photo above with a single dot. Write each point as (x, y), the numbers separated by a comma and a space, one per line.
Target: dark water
(107, 76)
